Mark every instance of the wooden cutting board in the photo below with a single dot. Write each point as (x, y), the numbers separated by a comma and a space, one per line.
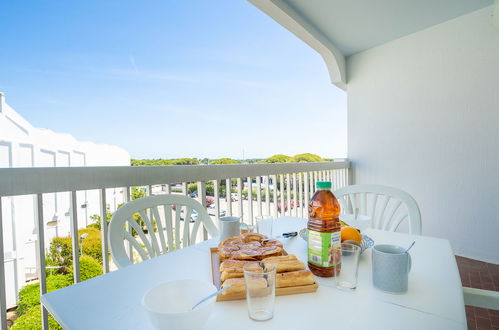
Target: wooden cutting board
(215, 271)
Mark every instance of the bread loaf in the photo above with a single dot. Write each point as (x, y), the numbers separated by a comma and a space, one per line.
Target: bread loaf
(234, 268)
(281, 258)
(250, 246)
(238, 285)
(287, 263)
(297, 278)
(230, 265)
(225, 275)
(289, 266)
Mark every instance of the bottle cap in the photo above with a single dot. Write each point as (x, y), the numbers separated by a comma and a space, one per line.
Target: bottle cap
(323, 184)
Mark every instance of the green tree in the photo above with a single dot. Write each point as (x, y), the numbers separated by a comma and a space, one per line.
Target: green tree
(151, 162)
(156, 162)
(279, 159)
(308, 158)
(224, 161)
(186, 161)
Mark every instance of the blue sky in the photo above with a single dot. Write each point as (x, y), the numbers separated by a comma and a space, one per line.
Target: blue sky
(167, 79)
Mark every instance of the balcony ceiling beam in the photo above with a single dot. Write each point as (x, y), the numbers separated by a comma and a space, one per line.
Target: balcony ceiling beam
(286, 16)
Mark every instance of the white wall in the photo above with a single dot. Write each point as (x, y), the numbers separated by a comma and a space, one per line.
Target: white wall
(423, 115)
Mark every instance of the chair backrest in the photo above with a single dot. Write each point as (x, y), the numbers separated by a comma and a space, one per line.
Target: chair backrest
(386, 206)
(171, 222)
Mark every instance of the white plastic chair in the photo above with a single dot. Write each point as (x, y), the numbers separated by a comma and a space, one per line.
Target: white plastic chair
(386, 206)
(166, 213)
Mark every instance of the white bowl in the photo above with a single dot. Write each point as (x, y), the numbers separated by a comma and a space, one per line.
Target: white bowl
(169, 304)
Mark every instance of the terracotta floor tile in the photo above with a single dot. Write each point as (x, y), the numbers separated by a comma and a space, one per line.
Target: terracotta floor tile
(483, 323)
(494, 269)
(481, 312)
(470, 312)
(494, 320)
(488, 286)
(472, 325)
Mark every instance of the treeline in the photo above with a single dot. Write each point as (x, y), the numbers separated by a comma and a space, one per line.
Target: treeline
(279, 158)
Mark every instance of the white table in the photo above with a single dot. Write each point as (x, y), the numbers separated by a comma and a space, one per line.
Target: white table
(434, 299)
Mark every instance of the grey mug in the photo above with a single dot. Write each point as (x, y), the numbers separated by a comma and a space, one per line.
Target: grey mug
(391, 267)
(229, 226)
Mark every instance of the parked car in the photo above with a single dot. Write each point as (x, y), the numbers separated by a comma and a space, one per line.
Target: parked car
(211, 211)
(194, 194)
(194, 215)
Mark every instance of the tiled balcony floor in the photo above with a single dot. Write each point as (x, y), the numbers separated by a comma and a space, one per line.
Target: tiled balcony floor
(480, 275)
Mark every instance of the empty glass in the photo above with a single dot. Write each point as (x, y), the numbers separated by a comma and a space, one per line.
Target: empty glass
(346, 273)
(259, 279)
(245, 228)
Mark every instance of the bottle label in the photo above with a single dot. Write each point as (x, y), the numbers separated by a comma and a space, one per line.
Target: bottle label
(324, 248)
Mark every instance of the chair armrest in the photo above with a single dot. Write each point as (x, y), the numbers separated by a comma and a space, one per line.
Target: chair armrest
(481, 298)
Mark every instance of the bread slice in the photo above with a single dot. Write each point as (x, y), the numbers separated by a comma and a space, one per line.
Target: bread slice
(297, 278)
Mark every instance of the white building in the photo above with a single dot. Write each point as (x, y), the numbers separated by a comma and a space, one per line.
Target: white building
(22, 145)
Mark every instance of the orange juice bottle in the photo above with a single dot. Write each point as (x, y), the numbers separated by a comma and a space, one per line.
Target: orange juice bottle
(324, 231)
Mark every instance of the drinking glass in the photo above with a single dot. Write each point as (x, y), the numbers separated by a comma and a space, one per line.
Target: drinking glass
(259, 279)
(346, 272)
(260, 227)
(245, 228)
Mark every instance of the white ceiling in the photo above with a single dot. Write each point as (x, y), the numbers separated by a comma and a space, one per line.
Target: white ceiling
(356, 25)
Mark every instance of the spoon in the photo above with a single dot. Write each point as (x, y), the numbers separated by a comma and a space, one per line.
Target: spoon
(211, 295)
(410, 247)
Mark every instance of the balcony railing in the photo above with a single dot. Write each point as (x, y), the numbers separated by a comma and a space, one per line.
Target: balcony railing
(271, 190)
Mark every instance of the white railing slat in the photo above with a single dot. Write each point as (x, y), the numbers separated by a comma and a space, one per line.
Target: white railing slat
(228, 196)
(75, 237)
(267, 195)
(295, 199)
(187, 222)
(250, 200)
(300, 193)
(42, 275)
(127, 198)
(281, 184)
(240, 197)
(178, 211)
(274, 192)
(216, 196)
(288, 191)
(3, 301)
(259, 196)
(202, 201)
(103, 227)
(311, 183)
(306, 194)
